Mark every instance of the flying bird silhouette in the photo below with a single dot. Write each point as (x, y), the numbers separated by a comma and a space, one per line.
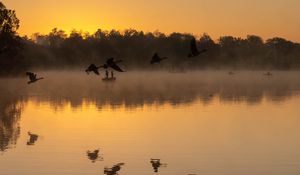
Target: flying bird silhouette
(33, 77)
(157, 59)
(111, 63)
(93, 68)
(194, 50)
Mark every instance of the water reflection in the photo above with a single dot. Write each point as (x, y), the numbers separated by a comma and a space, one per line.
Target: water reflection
(157, 164)
(94, 155)
(134, 90)
(10, 112)
(139, 89)
(114, 169)
(32, 138)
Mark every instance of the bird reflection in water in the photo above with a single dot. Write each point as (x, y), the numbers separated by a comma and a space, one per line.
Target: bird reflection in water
(32, 138)
(156, 164)
(94, 156)
(113, 170)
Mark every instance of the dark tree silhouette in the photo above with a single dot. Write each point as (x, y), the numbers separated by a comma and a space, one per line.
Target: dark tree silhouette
(136, 49)
(9, 21)
(59, 50)
(10, 43)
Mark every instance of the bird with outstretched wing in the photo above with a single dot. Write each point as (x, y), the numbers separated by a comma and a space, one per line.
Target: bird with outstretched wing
(113, 64)
(194, 50)
(93, 68)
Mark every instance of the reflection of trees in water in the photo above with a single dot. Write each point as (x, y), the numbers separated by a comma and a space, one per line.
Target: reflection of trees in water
(134, 90)
(10, 113)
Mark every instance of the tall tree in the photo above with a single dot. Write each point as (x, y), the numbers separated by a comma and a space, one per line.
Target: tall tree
(9, 23)
(10, 43)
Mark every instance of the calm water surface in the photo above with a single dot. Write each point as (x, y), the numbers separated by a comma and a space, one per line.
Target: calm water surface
(197, 123)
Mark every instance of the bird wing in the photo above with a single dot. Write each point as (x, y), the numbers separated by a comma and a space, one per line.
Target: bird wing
(155, 57)
(194, 46)
(93, 66)
(31, 76)
(110, 61)
(118, 61)
(29, 73)
(89, 68)
(116, 67)
(96, 71)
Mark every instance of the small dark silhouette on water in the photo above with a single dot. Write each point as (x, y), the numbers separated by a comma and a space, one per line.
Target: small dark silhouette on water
(106, 73)
(157, 59)
(33, 77)
(94, 155)
(112, 74)
(32, 138)
(93, 68)
(268, 74)
(194, 52)
(107, 78)
(231, 73)
(113, 170)
(156, 164)
(111, 63)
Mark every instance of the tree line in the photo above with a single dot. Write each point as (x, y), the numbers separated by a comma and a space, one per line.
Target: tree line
(78, 49)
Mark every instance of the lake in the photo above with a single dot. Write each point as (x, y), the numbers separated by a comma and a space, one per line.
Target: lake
(206, 122)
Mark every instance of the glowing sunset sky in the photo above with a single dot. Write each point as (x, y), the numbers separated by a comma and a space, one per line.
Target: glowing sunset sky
(266, 18)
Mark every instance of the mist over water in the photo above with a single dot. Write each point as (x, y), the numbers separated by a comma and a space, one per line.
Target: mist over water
(172, 122)
(135, 89)
(201, 122)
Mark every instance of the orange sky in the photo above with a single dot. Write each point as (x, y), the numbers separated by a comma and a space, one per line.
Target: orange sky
(267, 18)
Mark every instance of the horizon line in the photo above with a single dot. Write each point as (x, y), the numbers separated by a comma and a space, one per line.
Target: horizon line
(69, 31)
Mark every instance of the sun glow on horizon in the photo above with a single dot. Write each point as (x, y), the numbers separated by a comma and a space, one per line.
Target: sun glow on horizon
(266, 18)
